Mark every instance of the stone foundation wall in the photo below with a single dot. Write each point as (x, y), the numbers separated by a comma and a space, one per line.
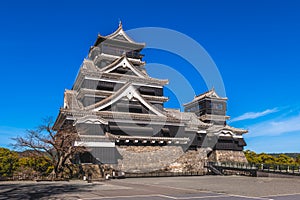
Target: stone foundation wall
(95, 170)
(141, 149)
(144, 159)
(191, 161)
(227, 156)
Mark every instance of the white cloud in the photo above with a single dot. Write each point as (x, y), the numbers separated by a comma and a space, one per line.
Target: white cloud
(272, 127)
(254, 115)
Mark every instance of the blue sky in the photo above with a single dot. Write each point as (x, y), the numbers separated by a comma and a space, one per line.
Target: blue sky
(255, 45)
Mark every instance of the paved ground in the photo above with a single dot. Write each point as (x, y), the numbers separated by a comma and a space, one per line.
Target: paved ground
(183, 188)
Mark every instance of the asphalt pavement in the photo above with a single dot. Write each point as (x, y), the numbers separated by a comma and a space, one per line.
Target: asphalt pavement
(184, 188)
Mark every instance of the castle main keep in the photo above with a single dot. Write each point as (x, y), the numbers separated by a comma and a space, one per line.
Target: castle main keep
(118, 111)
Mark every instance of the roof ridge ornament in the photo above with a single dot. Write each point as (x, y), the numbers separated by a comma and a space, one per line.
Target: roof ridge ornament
(118, 32)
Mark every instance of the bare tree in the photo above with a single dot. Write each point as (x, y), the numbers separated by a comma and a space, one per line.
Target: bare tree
(59, 145)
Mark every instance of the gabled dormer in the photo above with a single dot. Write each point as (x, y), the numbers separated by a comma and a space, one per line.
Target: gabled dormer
(124, 66)
(127, 97)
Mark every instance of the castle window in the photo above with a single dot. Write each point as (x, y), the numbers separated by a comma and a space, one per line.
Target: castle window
(216, 106)
(219, 106)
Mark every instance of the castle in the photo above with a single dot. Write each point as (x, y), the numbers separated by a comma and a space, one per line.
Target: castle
(118, 111)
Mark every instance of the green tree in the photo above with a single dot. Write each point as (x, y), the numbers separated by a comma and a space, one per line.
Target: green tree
(298, 160)
(265, 158)
(36, 164)
(251, 156)
(8, 162)
(283, 159)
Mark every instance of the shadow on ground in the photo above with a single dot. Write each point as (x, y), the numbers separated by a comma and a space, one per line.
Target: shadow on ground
(42, 190)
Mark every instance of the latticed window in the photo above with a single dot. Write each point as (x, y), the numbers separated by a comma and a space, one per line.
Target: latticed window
(113, 50)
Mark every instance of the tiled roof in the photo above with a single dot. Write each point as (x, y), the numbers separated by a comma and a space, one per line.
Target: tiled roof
(220, 129)
(118, 35)
(124, 60)
(209, 94)
(70, 101)
(236, 130)
(189, 118)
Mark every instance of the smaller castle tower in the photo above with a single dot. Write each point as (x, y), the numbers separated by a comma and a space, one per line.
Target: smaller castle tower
(209, 107)
(227, 142)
